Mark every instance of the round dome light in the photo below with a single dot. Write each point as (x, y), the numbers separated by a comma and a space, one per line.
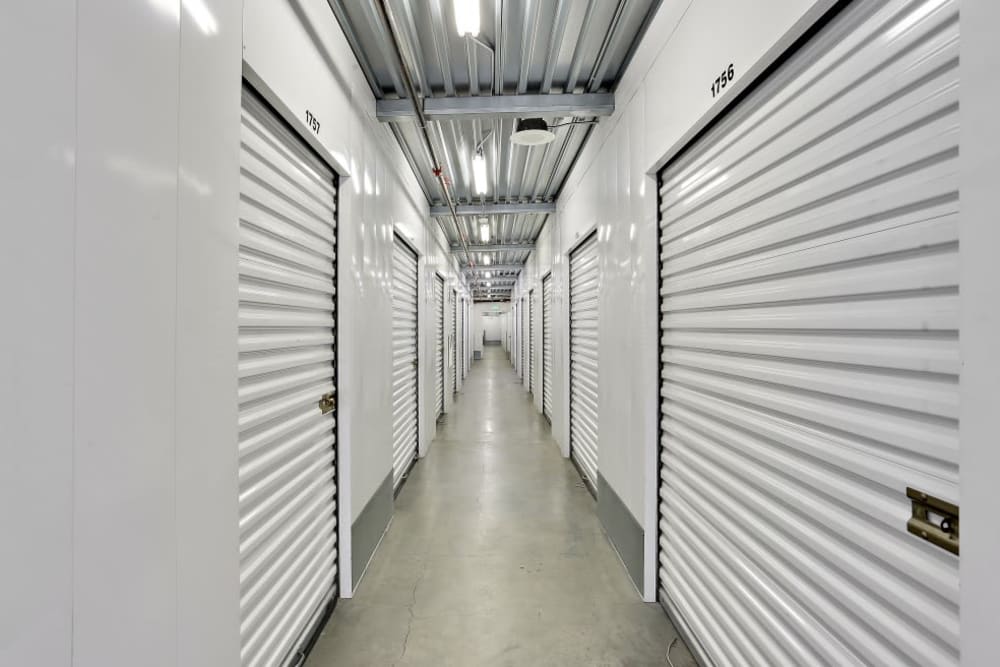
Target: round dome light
(532, 132)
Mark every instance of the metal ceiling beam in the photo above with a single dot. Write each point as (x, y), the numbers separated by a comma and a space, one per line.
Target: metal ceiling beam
(509, 280)
(499, 106)
(495, 268)
(502, 247)
(540, 208)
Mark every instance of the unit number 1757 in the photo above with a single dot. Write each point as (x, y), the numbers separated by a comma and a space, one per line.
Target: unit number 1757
(720, 81)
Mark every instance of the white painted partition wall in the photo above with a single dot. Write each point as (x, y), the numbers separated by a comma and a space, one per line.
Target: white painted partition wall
(809, 253)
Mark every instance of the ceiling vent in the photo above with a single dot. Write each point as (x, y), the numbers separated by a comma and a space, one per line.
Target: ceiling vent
(531, 132)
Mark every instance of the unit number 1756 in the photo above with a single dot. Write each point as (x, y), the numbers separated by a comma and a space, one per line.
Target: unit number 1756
(726, 77)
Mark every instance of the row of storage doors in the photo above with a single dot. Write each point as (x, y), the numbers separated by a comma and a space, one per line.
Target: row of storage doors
(405, 356)
(525, 355)
(808, 354)
(287, 383)
(583, 331)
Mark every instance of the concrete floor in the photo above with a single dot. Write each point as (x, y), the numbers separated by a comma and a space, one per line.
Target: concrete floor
(495, 556)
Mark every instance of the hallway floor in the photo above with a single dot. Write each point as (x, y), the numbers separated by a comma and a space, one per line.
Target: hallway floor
(495, 555)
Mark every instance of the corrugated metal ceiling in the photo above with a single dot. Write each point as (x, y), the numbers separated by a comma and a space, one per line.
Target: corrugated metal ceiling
(533, 47)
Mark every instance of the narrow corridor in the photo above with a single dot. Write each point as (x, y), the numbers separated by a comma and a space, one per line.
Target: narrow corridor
(495, 555)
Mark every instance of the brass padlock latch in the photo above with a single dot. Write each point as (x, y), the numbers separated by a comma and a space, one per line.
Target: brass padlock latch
(934, 520)
(327, 403)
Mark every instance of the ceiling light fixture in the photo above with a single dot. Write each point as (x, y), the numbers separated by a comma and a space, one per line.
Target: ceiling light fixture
(484, 233)
(467, 17)
(488, 274)
(479, 171)
(487, 259)
(532, 132)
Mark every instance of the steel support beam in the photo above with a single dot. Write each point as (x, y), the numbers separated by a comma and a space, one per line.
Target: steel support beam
(494, 282)
(499, 106)
(539, 208)
(502, 247)
(479, 269)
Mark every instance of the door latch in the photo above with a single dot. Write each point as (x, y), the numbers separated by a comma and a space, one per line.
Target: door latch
(934, 520)
(327, 403)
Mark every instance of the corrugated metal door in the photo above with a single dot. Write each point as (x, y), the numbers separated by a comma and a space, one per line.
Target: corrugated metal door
(532, 348)
(466, 347)
(583, 367)
(405, 415)
(456, 332)
(525, 342)
(287, 493)
(520, 341)
(439, 345)
(547, 346)
(809, 299)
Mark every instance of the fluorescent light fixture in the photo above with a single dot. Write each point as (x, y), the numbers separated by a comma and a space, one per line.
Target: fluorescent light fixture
(487, 275)
(467, 17)
(484, 232)
(479, 172)
(487, 259)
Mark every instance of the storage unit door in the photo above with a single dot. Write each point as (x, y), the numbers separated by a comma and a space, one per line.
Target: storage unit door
(287, 493)
(404, 360)
(532, 348)
(439, 345)
(583, 367)
(547, 347)
(454, 341)
(809, 301)
(525, 357)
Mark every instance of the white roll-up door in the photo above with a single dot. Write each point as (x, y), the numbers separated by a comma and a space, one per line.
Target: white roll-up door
(810, 361)
(405, 416)
(532, 348)
(287, 429)
(525, 342)
(583, 367)
(439, 345)
(517, 338)
(466, 339)
(547, 347)
(455, 338)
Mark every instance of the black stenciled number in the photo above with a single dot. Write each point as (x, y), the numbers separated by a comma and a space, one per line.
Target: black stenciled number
(312, 122)
(723, 79)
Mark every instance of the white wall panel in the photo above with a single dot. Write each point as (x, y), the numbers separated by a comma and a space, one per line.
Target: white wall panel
(126, 263)
(208, 201)
(37, 209)
(135, 291)
(979, 238)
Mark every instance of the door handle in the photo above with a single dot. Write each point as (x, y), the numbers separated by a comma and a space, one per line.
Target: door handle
(326, 403)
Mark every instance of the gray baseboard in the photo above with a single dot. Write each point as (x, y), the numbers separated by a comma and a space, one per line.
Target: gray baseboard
(368, 528)
(623, 530)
